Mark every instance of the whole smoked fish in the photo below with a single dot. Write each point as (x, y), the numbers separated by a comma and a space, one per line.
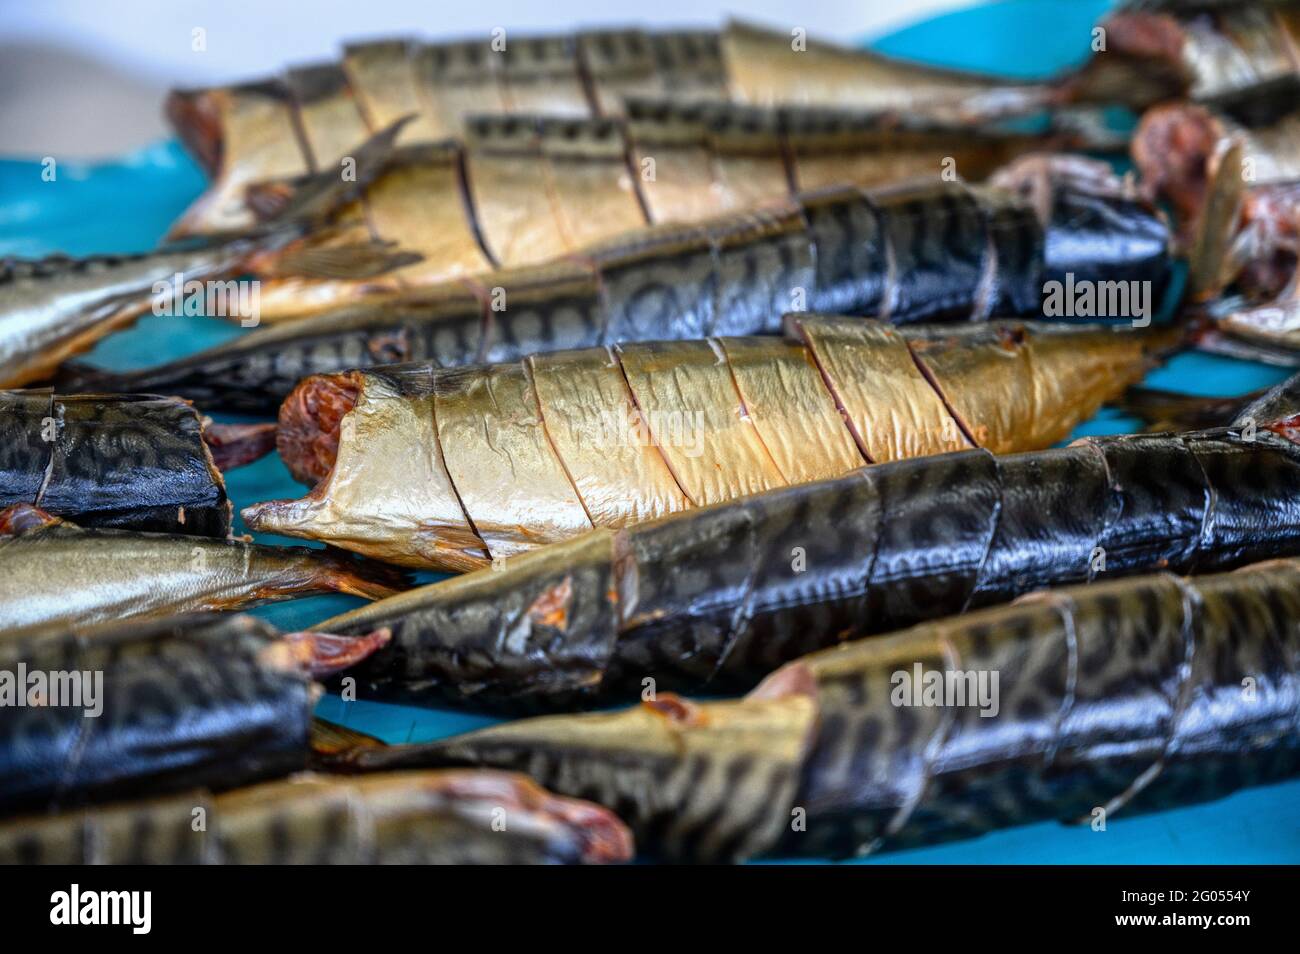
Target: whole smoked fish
(523, 190)
(309, 119)
(1115, 697)
(714, 599)
(446, 468)
(910, 252)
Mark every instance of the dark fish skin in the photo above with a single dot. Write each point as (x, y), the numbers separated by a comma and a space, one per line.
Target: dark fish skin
(213, 701)
(441, 817)
(714, 599)
(1125, 696)
(916, 252)
(131, 462)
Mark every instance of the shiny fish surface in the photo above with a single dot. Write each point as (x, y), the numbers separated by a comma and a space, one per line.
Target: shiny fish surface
(134, 462)
(152, 707)
(450, 467)
(1116, 697)
(245, 134)
(910, 252)
(517, 191)
(52, 571)
(55, 307)
(715, 599)
(446, 817)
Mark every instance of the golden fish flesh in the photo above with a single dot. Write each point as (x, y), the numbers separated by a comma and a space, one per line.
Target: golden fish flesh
(452, 467)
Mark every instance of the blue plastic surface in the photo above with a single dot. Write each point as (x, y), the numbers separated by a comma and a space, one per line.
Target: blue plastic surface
(127, 206)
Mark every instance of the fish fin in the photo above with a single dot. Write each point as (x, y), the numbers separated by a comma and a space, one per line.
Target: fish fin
(324, 654)
(269, 200)
(1170, 411)
(1209, 268)
(1277, 410)
(20, 518)
(1214, 341)
(330, 738)
(354, 261)
(346, 572)
(79, 376)
(234, 445)
(314, 199)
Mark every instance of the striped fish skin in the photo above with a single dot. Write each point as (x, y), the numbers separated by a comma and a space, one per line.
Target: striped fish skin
(56, 307)
(517, 191)
(449, 467)
(52, 572)
(1121, 696)
(308, 119)
(214, 701)
(134, 462)
(717, 598)
(909, 253)
(440, 817)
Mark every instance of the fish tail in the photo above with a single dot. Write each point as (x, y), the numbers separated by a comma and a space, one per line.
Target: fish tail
(324, 654)
(1170, 411)
(329, 738)
(291, 518)
(1210, 257)
(234, 445)
(344, 572)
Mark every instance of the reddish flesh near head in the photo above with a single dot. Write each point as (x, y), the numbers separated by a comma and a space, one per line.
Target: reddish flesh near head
(195, 118)
(1172, 148)
(308, 433)
(1153, 35)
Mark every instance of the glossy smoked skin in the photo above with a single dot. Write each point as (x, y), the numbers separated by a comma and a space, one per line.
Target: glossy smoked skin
(131, 462)
(187, 701)
(445, 468)
(406, 818)
(715, 599)
(1121, 696)
(915, 252)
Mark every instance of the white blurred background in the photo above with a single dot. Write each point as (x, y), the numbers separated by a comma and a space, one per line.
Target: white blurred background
(85, 78)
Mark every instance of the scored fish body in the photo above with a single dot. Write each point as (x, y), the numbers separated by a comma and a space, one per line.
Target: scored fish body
(54, 572)
(308, 120)
(1075, 704)
(55, 307)
(450, 467)
(714, 599)
(162, 705)
(135, 462)
(521, 190)
(916, 251)
(440, 817)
